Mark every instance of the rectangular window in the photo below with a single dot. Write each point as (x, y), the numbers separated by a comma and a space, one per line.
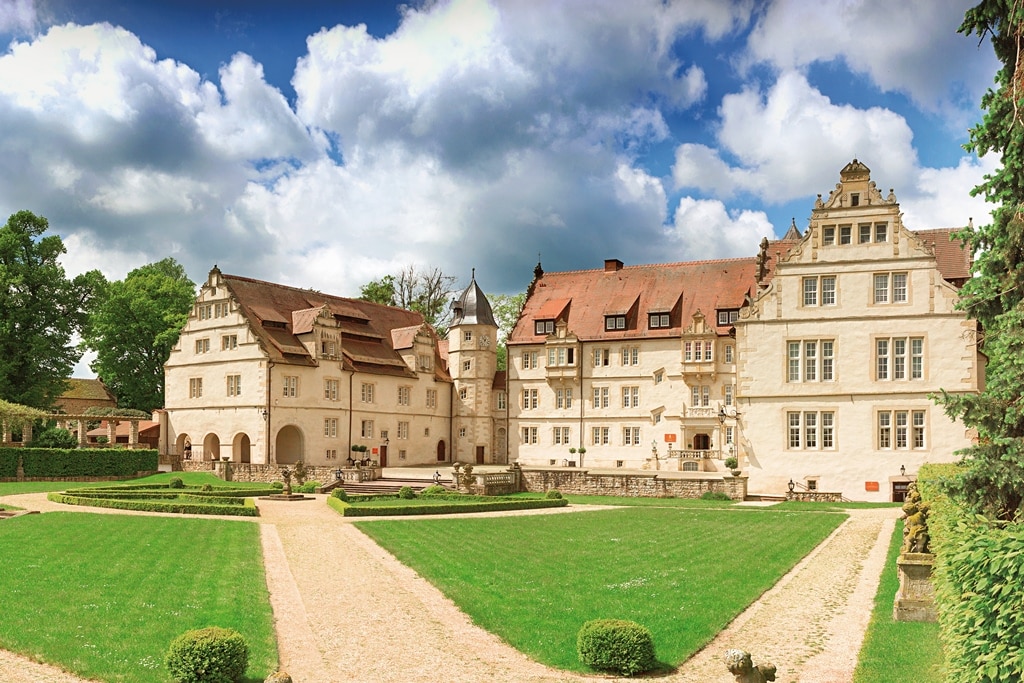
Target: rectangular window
(290, 387)
(728, 353)
(885, 429)
(899, 288)
(630, 397)
(464, 393)
(331, 387)
(658, 320)
(705, 395)
(202, 345)
(331, 427)
(220, 310)
(530, 399)
(728, 394)
(204, 312)
(825, 285)
(366, 392)
(845, 234)
(467, 365)
(543, 326)
(882, 288)
(563, 398)
(728, 317)
(423, 360)
(600, 397)
(529, 435)
(195, 387)
(918, 428)
(729, 436)
(916, 357)
(432, 398)
(810, 291)
(828, 235)
(328, 349)
(881, 232)
(810, 361)
(891, 358)
(865, 233)
(467, 336)
(404, 393)
(811, 430)
(502, 401)
(630, 355)
(687, 352)
(331, 453)
(403, 430)
(366, 429)
(234, 385)
(560, 436)
(228, 342)
(530, 360)
(615, 322)
(599, 436)
(602, 357)
(659, 377)
(630, 436)
(828, 290)
(901, 429)
(890, 288)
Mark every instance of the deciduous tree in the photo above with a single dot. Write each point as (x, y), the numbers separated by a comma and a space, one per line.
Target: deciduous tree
(506, 309)
(425, 291)
(40, 311)
(133, 327)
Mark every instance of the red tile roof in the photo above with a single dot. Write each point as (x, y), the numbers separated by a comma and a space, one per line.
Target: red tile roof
(700, 285)
(277, 313)
(952, 257)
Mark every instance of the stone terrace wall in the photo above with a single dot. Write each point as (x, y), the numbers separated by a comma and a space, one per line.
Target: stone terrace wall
(257, 473)
(631, 484)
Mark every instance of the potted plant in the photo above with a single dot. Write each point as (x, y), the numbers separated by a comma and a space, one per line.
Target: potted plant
(732, 464)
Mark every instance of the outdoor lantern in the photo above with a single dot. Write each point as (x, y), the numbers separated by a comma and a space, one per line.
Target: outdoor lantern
(337, 475)
(792, 485)
(903, 471)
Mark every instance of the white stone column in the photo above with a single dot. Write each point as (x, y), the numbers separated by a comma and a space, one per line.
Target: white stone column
(83, 439)
(111, 432)
(133, 434)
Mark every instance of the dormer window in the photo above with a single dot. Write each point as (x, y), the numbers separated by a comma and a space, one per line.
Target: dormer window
(728, 317)
(658, 320)
(854, 199)
(615, 322)
(544, 326)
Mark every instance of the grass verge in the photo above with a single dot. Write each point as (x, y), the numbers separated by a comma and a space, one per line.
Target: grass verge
(104, 595)
(897, 651)
(534, 580)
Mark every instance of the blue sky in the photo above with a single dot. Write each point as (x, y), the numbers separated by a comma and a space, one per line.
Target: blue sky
(324, 144)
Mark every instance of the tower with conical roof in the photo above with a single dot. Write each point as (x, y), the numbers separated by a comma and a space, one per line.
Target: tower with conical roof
(472, 362)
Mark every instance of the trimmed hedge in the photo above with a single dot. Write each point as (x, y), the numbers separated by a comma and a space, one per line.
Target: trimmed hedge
(9, 462)
(499, 505)
(616, 645)
(248, 509)
(84, 462)
(208, 655)
(979, 587)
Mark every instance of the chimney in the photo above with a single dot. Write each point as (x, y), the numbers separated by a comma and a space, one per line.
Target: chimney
(612, 265)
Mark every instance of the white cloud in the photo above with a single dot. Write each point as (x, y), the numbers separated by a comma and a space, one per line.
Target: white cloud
(17, 15)
(910, 46)
(940, 197)
(708, 230)
(780, 145)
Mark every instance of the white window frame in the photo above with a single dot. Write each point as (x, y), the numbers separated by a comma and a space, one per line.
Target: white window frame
(366, 429)
(811, 430)
(331, 427)
(366, 392)
(631, 397)
(431, 398)
(195, 387)
(601, 397)
(810, 360)
(290, 386)
(531, 399)
(234, 385)
(630, 436)
(331, 389)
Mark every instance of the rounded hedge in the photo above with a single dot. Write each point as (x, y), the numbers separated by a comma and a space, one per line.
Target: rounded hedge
(406, 493)
(616, 645)
(434, 490)
(554, 494)
(340, 494)
(715, 495)
(175, 483)
(208, 655)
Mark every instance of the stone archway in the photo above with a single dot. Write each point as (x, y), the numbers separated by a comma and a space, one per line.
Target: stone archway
(288, 445)
(211, 447)
(241, 448)
(183, 446)
(441, 454)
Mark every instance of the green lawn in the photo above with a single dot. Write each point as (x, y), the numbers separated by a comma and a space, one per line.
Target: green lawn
(104, 595)
(10, 488)
(647, 502)
(534, 580)
(897, 651)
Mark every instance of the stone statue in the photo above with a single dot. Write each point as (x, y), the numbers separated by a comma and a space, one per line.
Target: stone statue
(742, 667)
(287, 474)
(915, 525)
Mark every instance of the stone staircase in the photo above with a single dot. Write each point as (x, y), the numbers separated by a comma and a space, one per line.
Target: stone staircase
(384, 485)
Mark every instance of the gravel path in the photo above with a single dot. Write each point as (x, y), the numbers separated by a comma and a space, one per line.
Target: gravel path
(345, 609)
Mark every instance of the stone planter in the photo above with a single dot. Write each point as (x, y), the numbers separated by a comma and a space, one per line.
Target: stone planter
(915, 600)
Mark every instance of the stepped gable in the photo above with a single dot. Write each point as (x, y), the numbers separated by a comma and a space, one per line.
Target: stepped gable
(585, 297)
(278, 313)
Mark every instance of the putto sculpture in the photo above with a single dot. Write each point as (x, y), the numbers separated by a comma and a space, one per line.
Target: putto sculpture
(742, 667)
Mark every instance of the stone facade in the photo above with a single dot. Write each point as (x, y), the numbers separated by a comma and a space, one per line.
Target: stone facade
(633, 485)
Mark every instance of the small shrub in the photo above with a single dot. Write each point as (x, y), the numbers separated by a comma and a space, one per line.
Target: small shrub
(406, 493)
(731, 463)
(54, 437)
(553, 494)
(208, 655)
(276, 485)
(340, 494)
(300, 474)
(308, 487)
(616, 645)
(434, 490)
(715, 495)
(175, 483)
(206, 487)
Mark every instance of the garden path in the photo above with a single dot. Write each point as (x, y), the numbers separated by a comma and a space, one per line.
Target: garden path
(347, 610)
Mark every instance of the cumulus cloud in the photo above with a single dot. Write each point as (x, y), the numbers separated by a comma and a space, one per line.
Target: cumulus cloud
(779, 145)
(17, 15)
(707, 230)
(932, 64)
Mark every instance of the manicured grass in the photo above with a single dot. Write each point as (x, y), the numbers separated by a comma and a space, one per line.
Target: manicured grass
(104, 595)
(534, 580)
(802, 505)
(897, 651)
(647, 502)
(11, 488)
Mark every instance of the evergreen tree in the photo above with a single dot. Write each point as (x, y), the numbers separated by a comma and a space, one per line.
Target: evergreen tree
(993, 478)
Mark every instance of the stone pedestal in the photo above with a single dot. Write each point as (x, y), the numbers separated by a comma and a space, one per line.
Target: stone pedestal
(915, 600)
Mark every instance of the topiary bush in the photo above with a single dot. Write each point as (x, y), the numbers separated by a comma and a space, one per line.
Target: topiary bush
(616, 645)
(276, 485)
(206, 487)
(406, 493)
(340, 494)
(553, 494)
(208, 655)
(715, 495)
(308, 487)
(434, 490)
(175, 483)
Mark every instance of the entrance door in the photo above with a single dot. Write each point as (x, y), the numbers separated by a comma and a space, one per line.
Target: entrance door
(701, 442)
(440, 451)
(899, 491)
(383, 456)
(479, 455)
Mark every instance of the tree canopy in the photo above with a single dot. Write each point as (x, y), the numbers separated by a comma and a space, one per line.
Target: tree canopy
(993, 477)
(428, 292)
(132, 328)
(506, 309)
(40, 311)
